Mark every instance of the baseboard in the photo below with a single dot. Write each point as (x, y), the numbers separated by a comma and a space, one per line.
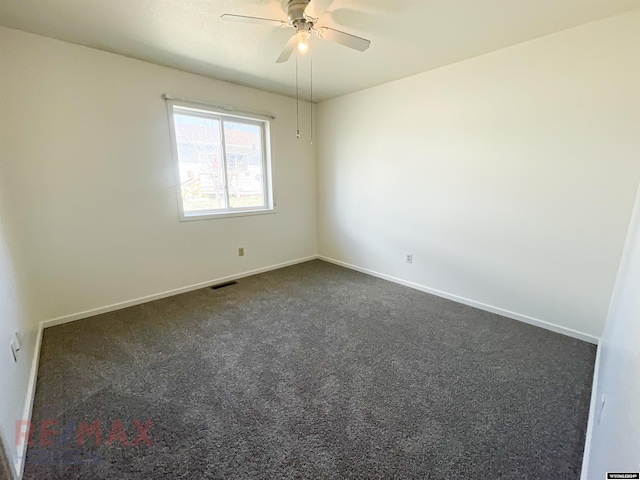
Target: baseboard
(472, 303)
(21, 451)
(592, 416)
(157, 296)
(7, 463)
(19, 461)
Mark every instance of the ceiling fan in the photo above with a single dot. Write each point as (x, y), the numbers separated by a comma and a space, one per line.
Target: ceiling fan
(303, 16)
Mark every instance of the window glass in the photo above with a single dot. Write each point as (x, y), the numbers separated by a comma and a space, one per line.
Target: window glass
(222, 163)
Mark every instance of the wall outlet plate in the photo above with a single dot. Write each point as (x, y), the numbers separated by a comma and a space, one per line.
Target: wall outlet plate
(603, 401)
(241, 252)
(15, 348)
(409, 258)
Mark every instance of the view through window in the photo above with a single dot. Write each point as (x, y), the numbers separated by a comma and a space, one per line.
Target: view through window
(222, 162)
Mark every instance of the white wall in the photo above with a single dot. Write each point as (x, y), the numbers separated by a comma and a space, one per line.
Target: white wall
(89, 158)
(510, 177)
(14, 317)
(614, 436)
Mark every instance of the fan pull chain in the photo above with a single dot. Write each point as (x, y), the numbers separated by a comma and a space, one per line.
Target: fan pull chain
(297, 102)
(311, 77)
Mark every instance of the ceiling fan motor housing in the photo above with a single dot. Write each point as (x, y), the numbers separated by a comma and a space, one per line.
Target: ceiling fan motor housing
(295, 12)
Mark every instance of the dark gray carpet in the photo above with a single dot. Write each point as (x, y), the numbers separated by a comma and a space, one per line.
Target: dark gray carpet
(312, 371)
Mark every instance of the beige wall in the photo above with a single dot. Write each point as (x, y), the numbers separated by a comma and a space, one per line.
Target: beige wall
(88, 193)
(14, 318)
(510, 177)
(613, 441)
(89, 158)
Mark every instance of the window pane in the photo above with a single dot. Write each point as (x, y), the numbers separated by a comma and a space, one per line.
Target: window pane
(200, 160)
(243, 143)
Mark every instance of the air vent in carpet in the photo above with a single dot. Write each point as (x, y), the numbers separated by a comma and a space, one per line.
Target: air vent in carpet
(222, 285)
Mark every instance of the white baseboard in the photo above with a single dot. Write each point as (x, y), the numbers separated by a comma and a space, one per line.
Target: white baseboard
(456, 298)
(584, 475)
(28, 406)
(19, 461)
(176, 291)
(21, 450)
(472, 303)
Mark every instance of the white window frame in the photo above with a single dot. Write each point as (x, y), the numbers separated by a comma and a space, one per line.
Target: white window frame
(204, 111)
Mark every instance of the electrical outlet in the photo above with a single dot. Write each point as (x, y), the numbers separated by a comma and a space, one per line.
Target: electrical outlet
(409, 258)
(241, 252)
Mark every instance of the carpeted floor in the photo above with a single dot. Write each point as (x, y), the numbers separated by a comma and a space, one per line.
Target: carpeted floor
(311, 371)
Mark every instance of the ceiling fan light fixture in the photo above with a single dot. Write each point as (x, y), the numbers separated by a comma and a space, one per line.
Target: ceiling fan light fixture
(304, 22)
(303, 41)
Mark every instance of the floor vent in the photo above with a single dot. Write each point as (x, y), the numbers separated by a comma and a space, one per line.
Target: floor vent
(222, 285)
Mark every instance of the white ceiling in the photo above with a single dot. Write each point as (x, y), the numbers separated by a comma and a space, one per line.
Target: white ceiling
(408, 36)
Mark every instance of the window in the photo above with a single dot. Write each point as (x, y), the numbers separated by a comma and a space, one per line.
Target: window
(222, 163)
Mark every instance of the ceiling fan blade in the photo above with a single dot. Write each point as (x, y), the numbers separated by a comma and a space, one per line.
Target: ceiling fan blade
(316, 8)
(256, 20)
(343, 38)
(288, 50)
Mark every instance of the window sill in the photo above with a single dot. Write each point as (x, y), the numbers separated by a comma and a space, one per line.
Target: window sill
(242, 213)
